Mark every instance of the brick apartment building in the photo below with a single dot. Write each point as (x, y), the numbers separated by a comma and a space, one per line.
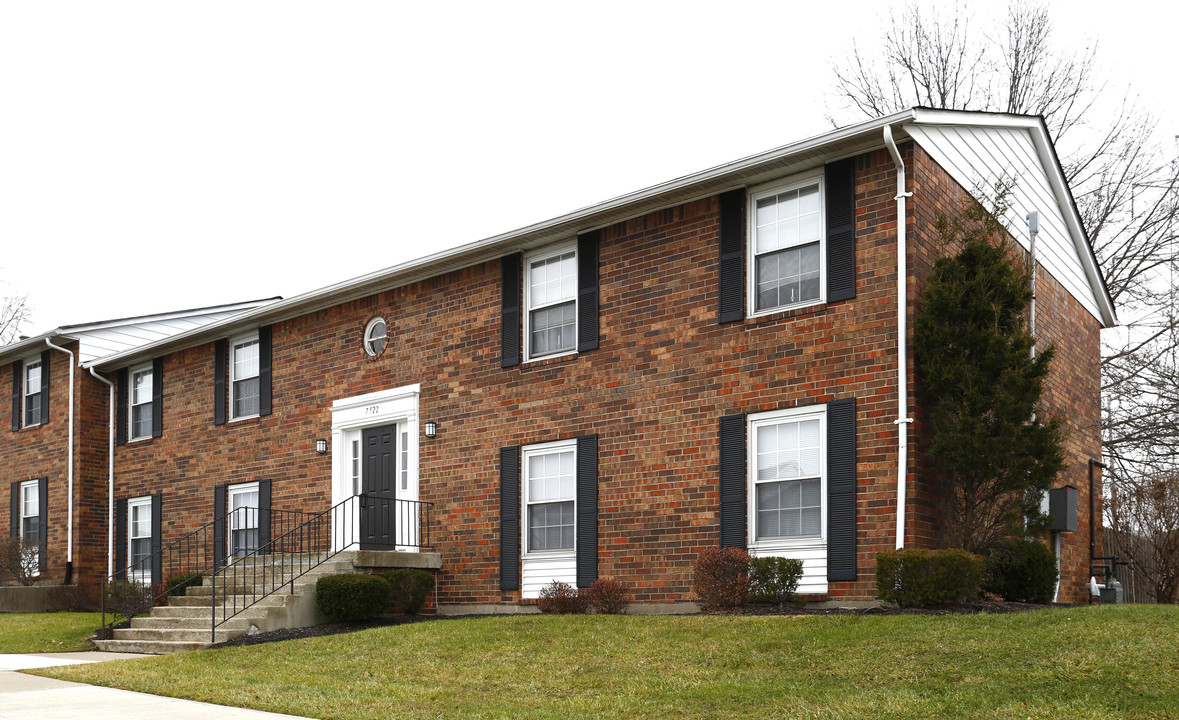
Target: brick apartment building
(711, 360)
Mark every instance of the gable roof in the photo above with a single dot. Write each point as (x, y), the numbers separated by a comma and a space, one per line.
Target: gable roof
(113, 337)
(793, 158)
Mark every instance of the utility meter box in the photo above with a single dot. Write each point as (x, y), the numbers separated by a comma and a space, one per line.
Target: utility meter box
(1062, 506)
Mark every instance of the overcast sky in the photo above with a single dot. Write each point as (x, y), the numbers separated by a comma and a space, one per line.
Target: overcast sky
(158, 156)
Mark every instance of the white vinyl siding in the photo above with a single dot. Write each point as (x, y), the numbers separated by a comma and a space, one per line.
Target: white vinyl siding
(140, 401)
(787, 246)
(549, 512)
(139, 523)
(244, 392)
(787, 490)
(32, 397)
(978, 158)
(550, 296)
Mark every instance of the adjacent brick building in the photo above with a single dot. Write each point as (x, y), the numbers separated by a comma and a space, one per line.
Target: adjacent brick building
(712, 360)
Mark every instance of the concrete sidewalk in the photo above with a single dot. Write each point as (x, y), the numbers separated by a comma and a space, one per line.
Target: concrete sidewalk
(28, 697)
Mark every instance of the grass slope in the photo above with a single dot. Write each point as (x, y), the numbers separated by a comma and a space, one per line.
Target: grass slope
(1094, 662)
(47, 632)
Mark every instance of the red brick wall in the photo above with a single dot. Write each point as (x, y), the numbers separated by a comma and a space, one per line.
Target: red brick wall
(1072, 392)
(654, 391)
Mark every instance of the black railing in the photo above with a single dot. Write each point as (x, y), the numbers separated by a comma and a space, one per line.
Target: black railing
(269, 548)
(275, 566)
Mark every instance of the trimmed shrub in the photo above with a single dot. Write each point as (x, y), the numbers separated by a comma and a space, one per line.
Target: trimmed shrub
(560, 598)
(915, 577)
(1022, 571)
(351, 598)
(609, 596)
(178, 584)
(122, 597)
(721, 578)
(774, 579)
(409, 588)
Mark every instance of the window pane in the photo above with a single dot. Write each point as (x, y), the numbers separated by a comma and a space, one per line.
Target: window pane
(33, 410)
(550, 526)
(788, 276)
(33, 378)
(141, 387)
(808, 227)
(767, 238)
(141, 421)
(29, 528)
(767, 213)
(554, 329)
(811, 521)
(245, 359)
(245, 397)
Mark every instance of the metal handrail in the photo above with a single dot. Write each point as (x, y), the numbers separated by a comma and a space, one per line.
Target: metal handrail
(193, 553)
(292, 555)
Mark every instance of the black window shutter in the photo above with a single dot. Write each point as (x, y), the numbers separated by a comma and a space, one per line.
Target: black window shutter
(43, 522)
(587, 291)
(264, 369)
(263, 516)
(219, 511)
(732, 256)
(17, 369)
(841, 489)
(121, 397)
(157, 538)
(509, 518)
(14, 510)
(839, 179)
(46, 361)
(157, 397)
(121, 538)
(220, 355)
(509, 349)
(732, 481)
(587, 510)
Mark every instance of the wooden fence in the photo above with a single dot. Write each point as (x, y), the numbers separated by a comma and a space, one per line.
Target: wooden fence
(1137, 585)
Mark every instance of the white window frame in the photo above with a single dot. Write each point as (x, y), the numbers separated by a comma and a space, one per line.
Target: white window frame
(793, 183)
(141, 574)
(368, 329)
(30, 490)
(530, 451)
(26, 366)
(230, 491)
(546, 253)
(233, 378)
(131, 404)
(771, 546)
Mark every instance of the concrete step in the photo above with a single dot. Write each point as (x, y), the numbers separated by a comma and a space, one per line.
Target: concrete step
(239, 623)
(151, 647)
(204, 601)
(175, 634)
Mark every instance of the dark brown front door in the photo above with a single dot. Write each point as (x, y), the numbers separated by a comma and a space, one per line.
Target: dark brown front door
(379, 485)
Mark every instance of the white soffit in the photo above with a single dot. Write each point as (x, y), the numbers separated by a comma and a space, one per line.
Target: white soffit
(979, 157)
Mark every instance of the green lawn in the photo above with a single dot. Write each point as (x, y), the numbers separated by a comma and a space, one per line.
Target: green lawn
(47, 632)
(1097, 662)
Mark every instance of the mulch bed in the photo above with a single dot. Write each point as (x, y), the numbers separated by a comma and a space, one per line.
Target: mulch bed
(753, 609)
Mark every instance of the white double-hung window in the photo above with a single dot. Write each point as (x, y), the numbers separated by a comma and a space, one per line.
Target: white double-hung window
(787, 254)
(140, 400)
(30, 524)
(244, 366)
(243, 519)
(550, 487)
(550, 295)
(789, 484)
(139, 538)
(32, 396)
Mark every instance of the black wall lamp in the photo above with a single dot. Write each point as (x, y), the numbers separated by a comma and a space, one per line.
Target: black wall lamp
(431, 429)
(321, 446)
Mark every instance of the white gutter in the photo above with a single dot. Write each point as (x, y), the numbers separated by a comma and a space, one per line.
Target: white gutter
(110, 478)
(902, 421)
(69, 469)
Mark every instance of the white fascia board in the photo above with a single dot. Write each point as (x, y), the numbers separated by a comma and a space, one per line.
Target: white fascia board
(24, 347)
(195, 312)
(1056, 180)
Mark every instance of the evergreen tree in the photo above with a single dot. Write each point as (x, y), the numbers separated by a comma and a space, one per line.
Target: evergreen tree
(980, 386)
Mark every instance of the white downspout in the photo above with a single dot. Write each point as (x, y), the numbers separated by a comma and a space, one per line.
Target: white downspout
(69, 471)
(903, 420)
(110, 479)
